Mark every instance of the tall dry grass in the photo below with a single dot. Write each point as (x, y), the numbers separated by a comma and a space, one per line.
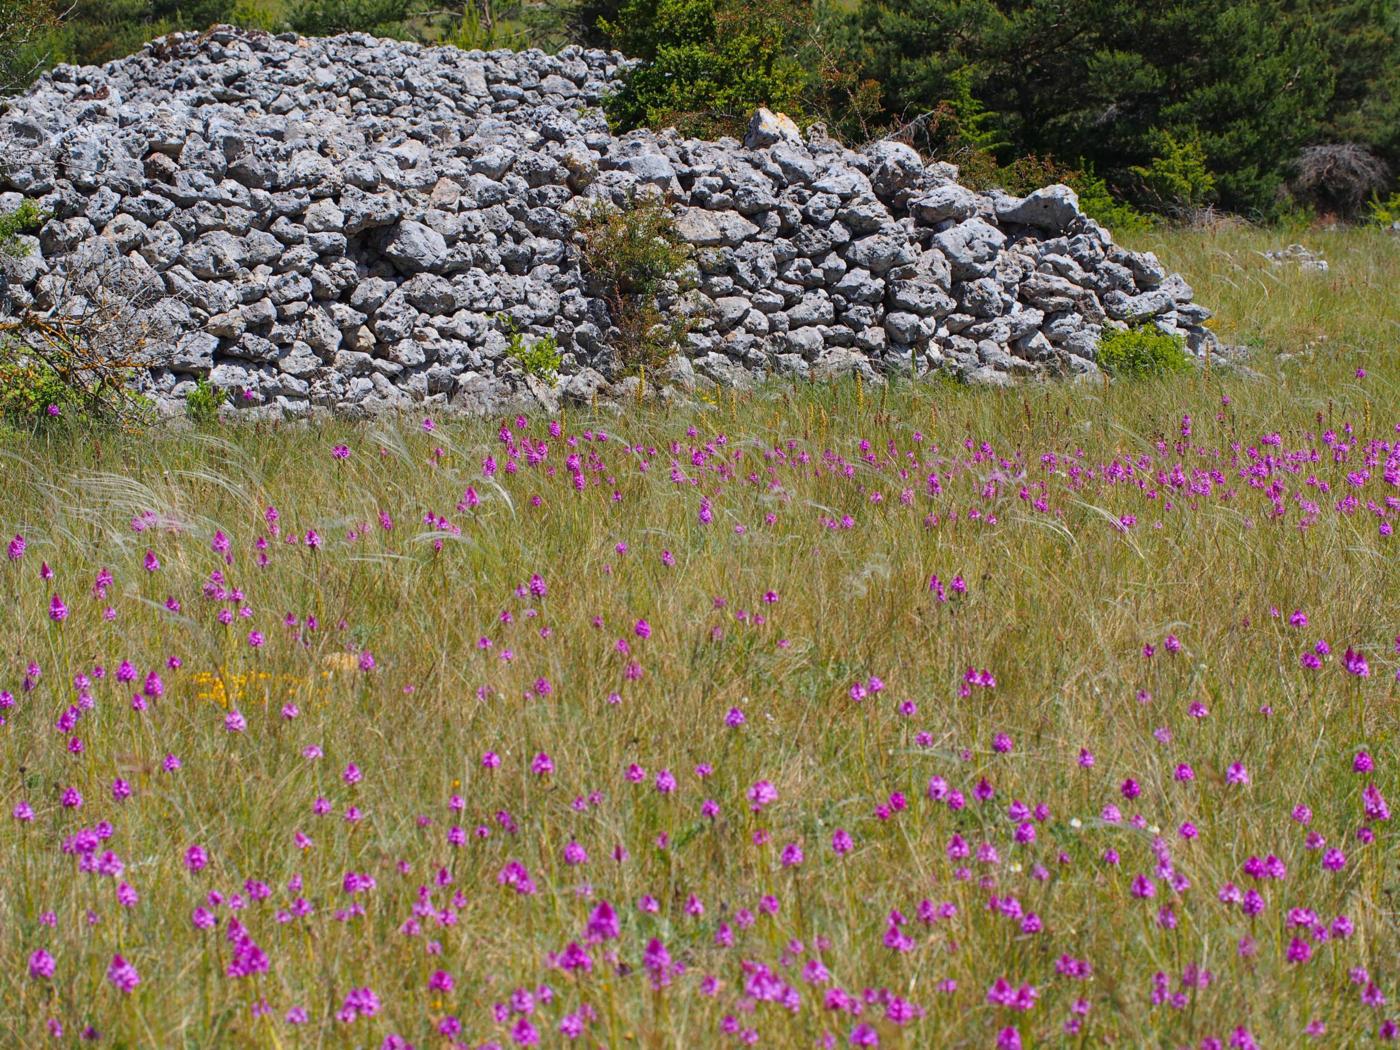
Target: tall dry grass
(1058, 507)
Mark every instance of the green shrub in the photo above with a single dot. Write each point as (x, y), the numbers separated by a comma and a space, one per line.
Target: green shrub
(64, 368)
(633, 255)
(266, 15)
(1098, 202)
(31, 392)
(26, 31)
(1385, 212)
(540, 357)
(24, 219)
(203, 402)
(1178, 177)
(1142, 352)
(389, 18)
(482, 31)
(706, 64)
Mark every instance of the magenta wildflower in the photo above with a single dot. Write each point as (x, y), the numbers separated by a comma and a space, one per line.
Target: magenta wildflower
(41, 965)
(762, 794)
(123, 975)
(1355, 663)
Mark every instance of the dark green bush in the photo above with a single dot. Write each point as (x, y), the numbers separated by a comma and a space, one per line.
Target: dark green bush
(1142, 352)
(706, 64)
(632, 256)
(1240, 87)
(327, 17)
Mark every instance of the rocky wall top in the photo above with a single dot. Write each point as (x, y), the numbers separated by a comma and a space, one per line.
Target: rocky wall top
(339, 222)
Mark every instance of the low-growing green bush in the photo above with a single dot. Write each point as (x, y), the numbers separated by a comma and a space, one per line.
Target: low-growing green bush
(1142, 352)
(540, 357)
(706, 64)
(1178, 179)
(32, 393)
(203, 402)
(25, 218)
(1385, 212)
(1098, 202)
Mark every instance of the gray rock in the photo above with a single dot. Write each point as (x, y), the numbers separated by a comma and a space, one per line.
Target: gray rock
(581, 387)
(706, 229)
(414, 247)
(214, 255)
(943, 203)
(195, 353)
(878, 253)
(1134, 308)
(807, 342)
(651, 168)
(730, 311)
(767, 128)
(1053, 208)
(324, 217)
(837, 362)
(920, 296)
(895, 169)
(906, 328)
(971, 248)
(813, 309)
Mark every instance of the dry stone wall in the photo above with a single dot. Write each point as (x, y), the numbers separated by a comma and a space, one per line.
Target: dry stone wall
(338, 223)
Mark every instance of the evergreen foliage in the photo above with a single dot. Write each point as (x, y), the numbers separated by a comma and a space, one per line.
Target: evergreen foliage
(1148, 94)
(706, 64)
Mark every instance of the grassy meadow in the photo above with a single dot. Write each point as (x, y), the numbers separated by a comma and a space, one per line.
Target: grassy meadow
(1063, 716)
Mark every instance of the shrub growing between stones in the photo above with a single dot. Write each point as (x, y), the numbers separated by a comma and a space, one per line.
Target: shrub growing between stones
(28, 387)
(638, 262)
(540, 357)
(1142, 352)
(202, 403)
(24, 219)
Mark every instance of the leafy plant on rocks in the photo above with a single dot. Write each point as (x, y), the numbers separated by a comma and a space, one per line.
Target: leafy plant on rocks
(638, 264)
(24, 219)
(203, 402)
(1142, 352)
(539, 357)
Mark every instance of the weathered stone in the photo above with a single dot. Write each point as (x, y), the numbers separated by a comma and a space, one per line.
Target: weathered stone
(970, 247)
(878, 253)
(706, 229)
(730, 311)
(767, 128)
(895, 169)
(943, 203)
(414, 247)
(215, 255)
(1053, 208)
